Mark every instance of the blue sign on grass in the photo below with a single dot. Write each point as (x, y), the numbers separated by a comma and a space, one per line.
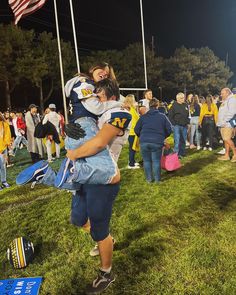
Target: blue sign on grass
(22, 286)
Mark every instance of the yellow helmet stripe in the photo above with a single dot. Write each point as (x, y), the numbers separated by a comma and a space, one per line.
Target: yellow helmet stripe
(20, 252)
(15, 243)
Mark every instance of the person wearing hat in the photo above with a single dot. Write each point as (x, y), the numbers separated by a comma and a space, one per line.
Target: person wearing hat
(35, 146)
(54, 118)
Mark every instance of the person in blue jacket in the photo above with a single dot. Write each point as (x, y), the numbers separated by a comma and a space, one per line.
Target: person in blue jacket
(152, 128)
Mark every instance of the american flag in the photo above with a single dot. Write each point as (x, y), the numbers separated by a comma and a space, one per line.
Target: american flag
(22, 8)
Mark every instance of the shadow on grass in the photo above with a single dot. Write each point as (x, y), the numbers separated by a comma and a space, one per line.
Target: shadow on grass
(43, 250)
(23, 196)
(192, 167)
(142, 248)
(222, 194)
(22, 162)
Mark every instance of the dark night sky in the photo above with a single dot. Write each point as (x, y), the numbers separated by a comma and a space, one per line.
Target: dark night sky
(112, 24)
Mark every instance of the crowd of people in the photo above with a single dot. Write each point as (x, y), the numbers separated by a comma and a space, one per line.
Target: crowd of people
(18, 130)
(99, 126)
(196, 122)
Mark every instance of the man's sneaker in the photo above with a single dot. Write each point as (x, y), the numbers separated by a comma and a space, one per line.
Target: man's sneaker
(210, 149)
(65, 173)
(5, 184)
(205, 148)
(101, 283)
(33, 173)
(221, 152)
(137, 164)
(198, 147)
(95, 251)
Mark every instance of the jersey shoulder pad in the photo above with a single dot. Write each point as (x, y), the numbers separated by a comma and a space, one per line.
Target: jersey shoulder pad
(120, 119)
(84, 88)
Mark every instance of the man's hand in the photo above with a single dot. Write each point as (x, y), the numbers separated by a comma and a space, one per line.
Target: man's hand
(71, 154)
(74, 130)
(166, 145)
(50, 137)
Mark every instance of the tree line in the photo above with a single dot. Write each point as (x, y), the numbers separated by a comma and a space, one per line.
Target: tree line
(30, 60)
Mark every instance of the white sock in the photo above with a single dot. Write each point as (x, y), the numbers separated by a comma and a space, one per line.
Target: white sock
(107, 270)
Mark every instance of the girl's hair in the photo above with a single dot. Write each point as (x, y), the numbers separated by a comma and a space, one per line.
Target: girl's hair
(154, 103)
(202, 99)
(103, 66)
(209, 101)
(130, 100)
(2, 118)
(194, 101)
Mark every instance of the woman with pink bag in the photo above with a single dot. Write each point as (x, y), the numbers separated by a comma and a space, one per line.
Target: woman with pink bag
(152, 128)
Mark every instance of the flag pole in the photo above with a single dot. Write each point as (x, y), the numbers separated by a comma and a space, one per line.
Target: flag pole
(144, 54)
(74, 34)
(60, 62)
(144, 50)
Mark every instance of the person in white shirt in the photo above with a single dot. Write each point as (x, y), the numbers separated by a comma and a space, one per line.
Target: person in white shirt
(226, 112)
(54, 118)
(144, 103)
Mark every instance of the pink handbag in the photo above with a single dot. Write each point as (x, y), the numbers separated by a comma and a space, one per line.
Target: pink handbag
(170, 162)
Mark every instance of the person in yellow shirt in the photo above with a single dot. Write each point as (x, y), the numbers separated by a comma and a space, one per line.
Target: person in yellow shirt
(5, 141)
(130, 104)
(207, 121)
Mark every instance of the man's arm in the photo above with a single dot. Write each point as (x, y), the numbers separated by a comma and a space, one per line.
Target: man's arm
(94, 106)
(95, 144)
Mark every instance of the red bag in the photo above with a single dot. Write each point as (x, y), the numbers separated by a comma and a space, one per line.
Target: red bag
(170, 162)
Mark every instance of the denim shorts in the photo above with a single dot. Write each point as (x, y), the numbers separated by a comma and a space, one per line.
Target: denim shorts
(96, 169)
(94, 202)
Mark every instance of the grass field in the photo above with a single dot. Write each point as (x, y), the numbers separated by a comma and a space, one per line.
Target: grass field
(178, 237)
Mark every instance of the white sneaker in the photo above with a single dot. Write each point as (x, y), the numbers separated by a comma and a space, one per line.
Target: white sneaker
(198, 147)
(9, 165)
(95, 251)
(221, 152)
(137, 164)
(204, 148)
(11, 153)
(133, 167)
(210, 149)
